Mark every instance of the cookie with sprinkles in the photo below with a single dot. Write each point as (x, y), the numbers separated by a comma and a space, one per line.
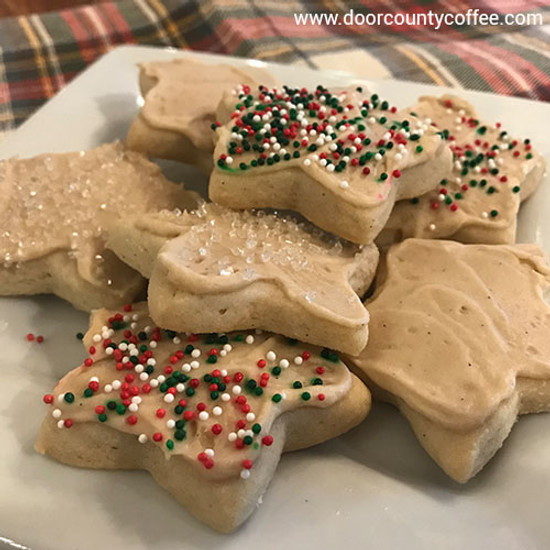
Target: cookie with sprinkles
(54, 214)
(180, 100)
(207, 415)
(493, 173)
(459, 343)
(218, 270)
(341, 158)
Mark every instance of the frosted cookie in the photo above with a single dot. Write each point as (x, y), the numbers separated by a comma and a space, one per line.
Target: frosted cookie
(181, 97)
(459, 343)
(218, 270)
(207, 416)
(493, 173)
(53, 215)
(340, 158)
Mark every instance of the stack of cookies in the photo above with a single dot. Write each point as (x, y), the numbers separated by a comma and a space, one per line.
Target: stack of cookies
(253, 338)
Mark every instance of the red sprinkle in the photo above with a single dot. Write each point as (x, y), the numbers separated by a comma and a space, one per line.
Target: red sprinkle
(30, 336)
(157, 436)
(267, 440)
(48, 399)
(247, 463)
(217, 429)
(68, 423)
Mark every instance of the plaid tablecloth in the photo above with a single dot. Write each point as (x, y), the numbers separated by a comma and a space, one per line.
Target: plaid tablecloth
(39, 54)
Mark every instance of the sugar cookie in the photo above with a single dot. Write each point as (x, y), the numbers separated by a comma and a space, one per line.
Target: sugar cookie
(493, 173)
(207, 416)
(459, 343)
(217, 270)
(53, 215)
(340, 158)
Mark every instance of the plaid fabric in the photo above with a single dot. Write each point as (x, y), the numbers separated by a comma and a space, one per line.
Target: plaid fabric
(41, 53)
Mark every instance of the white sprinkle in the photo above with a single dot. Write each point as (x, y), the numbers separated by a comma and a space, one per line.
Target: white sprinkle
(223, 353)
(176, 340)
(245, 474)
(196, 353)
(169, 398)
(56, 413)
(96, 338)
(61, 424)
(307, 162)
(344, 184)
(217, 411)
(378, 156)
(232, 437)
(109, 351)
(143, 376)
(441, 197)
(249, 339)
(108, 388)
(153, 344)
(209, 452)
(139, 368)
(237, 390)
(116, 384)
(250, 417)
(133, 407)
(195, 364)
(398, 156)
(154, 383)
(298, 360)
(228, 347)
(241, 433)
(170, 423)
(186, 367)
(142, 438)
(203, 415)
(271, 356)
(151, 361)
(330, 167)
(161, 378)
(485, 215)
(229, 160)
(284, 363)
(432, 227)
(60, 397)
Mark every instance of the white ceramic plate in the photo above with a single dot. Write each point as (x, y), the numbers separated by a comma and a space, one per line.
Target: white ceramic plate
(372, 488)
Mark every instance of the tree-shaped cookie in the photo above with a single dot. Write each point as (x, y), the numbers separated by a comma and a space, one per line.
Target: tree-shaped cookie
(339, 157)
(180, 101)
(493, 173)
(54, 213)
(459, 343)
(207, 415)
(217, 270)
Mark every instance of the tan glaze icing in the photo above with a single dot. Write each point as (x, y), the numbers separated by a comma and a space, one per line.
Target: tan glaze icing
(474, 219)
(232, 357)
(350, 185)
(63, 202)
(221, 250)
(453, 325)
(185, 95)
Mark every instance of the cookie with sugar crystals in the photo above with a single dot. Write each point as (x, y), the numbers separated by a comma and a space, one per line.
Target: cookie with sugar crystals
(207, 416)
(479, 203)
(218, 270)
(341, 158)
(54, 212)
(459, 343)
(180, 101)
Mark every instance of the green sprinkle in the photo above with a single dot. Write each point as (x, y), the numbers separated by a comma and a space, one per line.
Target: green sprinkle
(516, 189)
(248, 440)
(120, 409)
(88, 392)
(494, 213)
(111, 405)
(79, 335)
(212, 359)
(414, 200)
(383, 176)
(189, 391)
(419, 148)
(170, 444)
(69, 397)
(276, 371)
(276, 397)
(306, 396)
(180, 435)
(102, 417)
(257, 428)
(297, 385)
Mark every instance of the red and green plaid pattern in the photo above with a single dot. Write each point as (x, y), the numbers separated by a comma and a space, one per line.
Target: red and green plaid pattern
(41, 53)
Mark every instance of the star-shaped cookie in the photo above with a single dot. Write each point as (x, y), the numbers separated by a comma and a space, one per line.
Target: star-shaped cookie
(180, 100)
(54, 212)
(207, 415)
(493, 173)
(218, 270)
(341, 158)
(459, 343)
